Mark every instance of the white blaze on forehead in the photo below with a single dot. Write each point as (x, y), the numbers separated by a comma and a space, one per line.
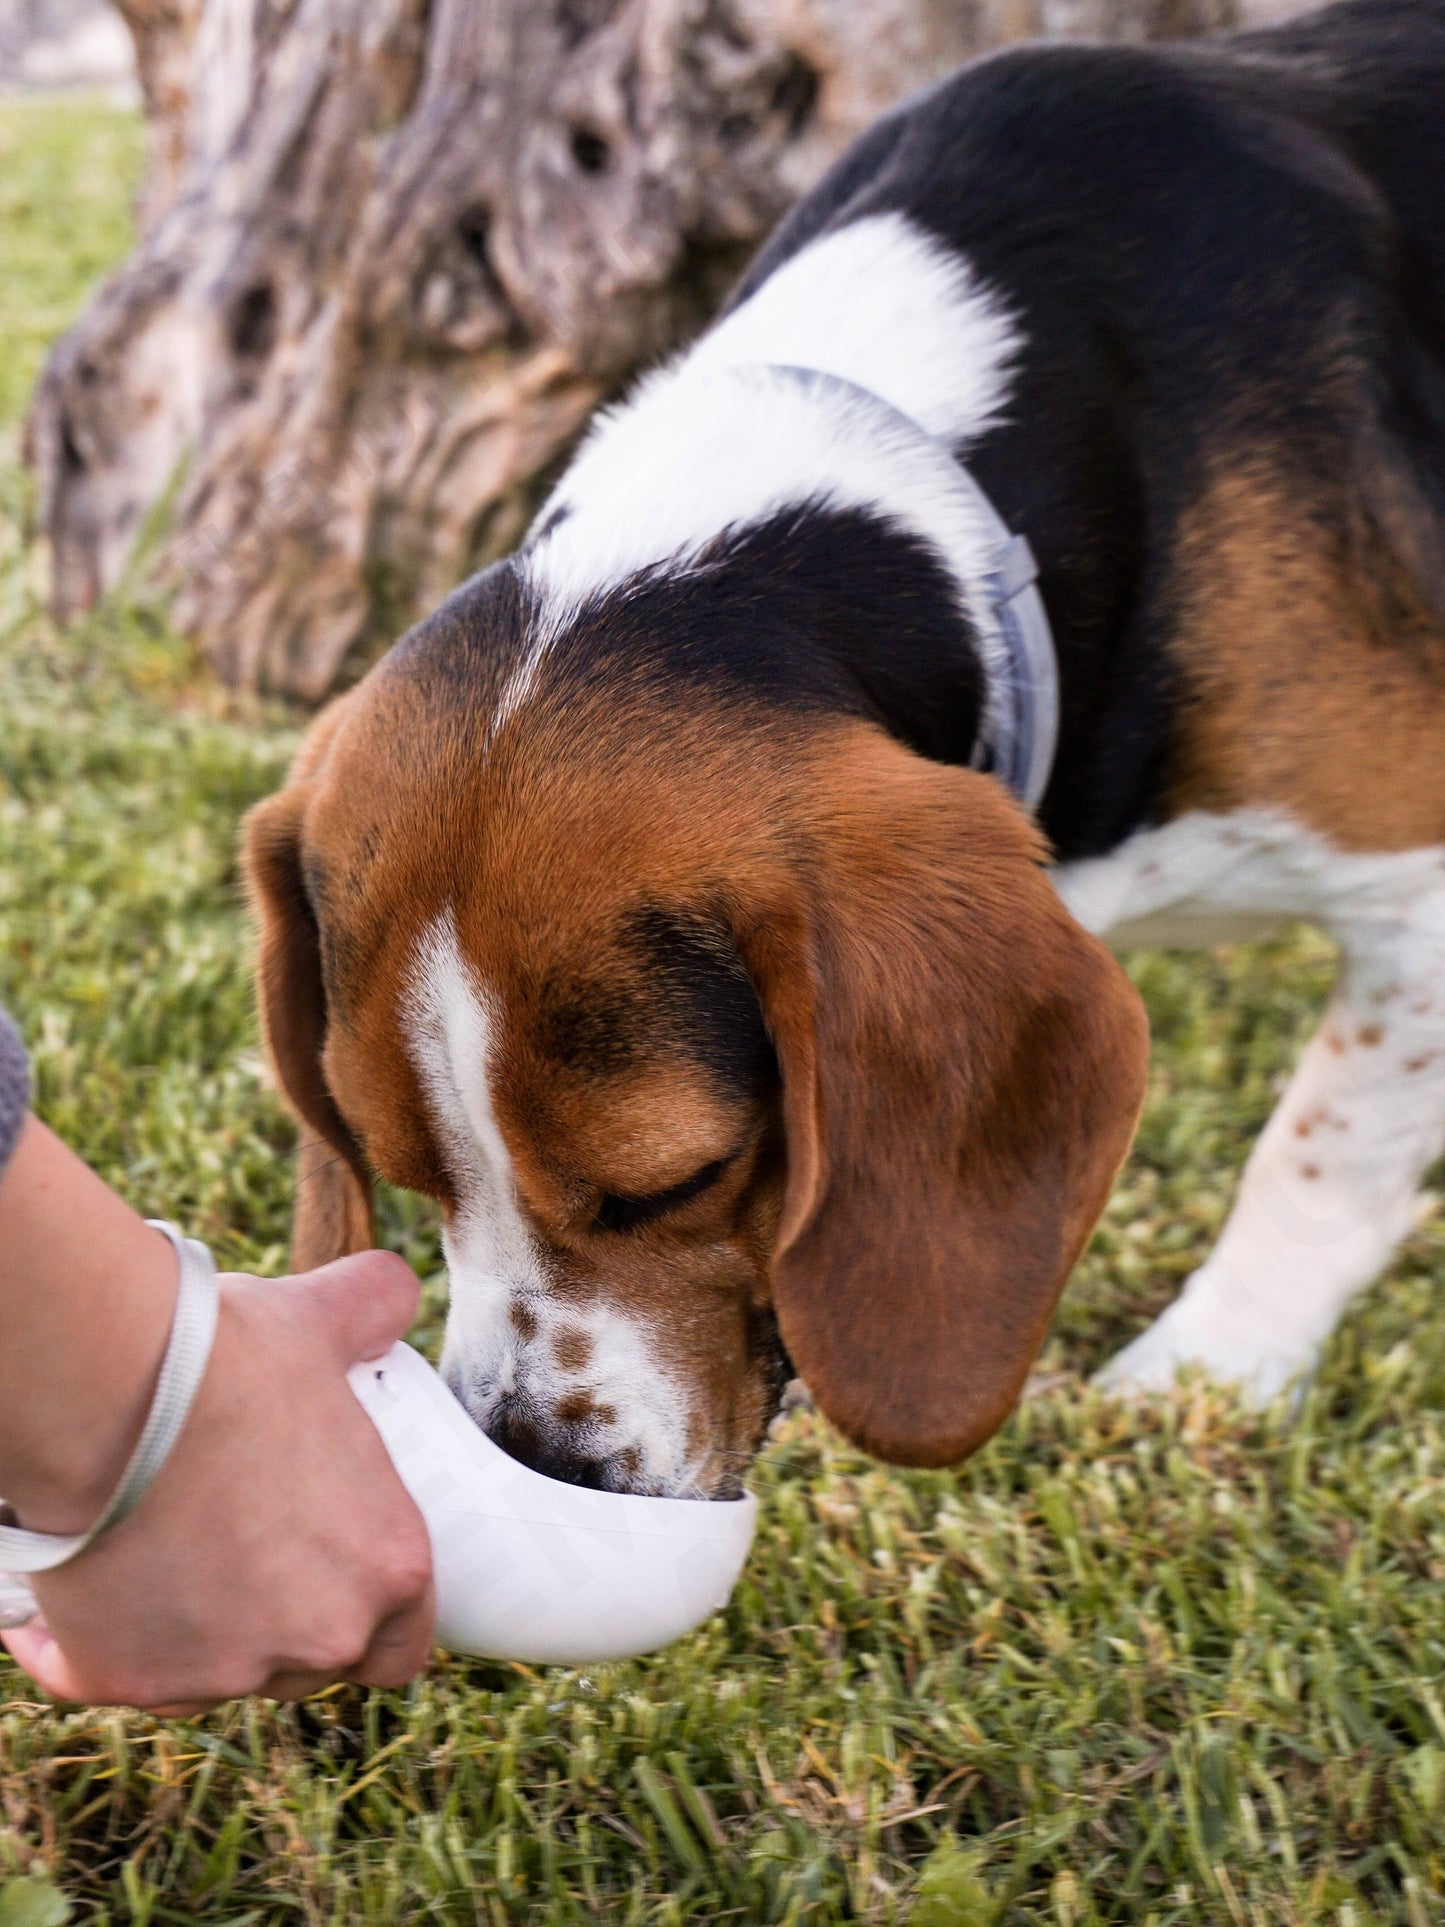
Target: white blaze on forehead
(452, 1029)
(453, 1024)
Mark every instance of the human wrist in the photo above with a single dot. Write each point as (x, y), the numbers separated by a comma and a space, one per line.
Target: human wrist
(87, 1293)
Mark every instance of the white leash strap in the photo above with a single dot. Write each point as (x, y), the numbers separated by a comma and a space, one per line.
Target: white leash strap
(193, 1328)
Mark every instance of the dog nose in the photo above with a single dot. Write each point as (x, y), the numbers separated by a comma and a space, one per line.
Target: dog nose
(543, 1448)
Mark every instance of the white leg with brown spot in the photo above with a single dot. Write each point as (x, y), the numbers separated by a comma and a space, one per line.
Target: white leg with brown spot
(1332, 1185)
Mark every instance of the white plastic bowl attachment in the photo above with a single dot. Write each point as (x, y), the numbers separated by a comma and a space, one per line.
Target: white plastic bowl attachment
(533, 1569)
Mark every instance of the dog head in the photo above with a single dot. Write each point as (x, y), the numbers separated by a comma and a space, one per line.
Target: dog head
(724, 1036)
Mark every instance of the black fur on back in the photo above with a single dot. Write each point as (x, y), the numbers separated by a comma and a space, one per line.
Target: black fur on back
(1212, 248)
(1210, 245)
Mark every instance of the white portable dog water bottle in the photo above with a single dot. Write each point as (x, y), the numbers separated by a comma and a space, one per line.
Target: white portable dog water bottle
(531, 1568)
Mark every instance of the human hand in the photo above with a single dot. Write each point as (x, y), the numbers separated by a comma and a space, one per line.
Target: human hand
(277, 1550)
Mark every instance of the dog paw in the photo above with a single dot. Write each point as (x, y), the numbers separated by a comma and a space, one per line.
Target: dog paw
(1199, 1334)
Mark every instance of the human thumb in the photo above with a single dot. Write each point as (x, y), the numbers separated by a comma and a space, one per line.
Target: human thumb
(33, 1646)
(363, 1303)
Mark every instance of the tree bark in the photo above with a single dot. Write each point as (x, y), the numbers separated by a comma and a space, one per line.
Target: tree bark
(393, 252)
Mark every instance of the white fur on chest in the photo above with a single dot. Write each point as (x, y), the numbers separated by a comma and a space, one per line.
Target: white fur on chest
(1220, 879)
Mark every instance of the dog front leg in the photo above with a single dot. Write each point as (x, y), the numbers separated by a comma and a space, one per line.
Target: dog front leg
(1332, 1185)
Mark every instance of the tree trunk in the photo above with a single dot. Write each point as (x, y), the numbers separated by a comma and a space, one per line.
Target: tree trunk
(394, 251)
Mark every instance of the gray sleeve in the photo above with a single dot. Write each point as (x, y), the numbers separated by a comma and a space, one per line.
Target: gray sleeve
(14, 1087)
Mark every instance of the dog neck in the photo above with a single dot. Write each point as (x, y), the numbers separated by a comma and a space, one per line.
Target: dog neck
(812, 487)
(1019, 729)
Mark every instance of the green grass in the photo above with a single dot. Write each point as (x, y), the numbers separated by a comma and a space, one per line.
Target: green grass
(66, 171)
(1150, 1667)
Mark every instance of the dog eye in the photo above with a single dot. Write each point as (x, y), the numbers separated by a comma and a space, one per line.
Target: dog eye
(617, 1213)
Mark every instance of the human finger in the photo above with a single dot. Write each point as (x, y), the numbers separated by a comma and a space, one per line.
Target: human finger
(36, 1648)
(401, 1646)
(364, 1302)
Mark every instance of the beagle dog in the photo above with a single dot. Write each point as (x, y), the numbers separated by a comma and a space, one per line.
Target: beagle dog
(706, 905)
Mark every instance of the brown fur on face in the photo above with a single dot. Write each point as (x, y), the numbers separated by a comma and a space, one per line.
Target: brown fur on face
(807, 957)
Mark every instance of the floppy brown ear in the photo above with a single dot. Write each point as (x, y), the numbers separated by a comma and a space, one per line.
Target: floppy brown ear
(332, 1215)
(963, 1068)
